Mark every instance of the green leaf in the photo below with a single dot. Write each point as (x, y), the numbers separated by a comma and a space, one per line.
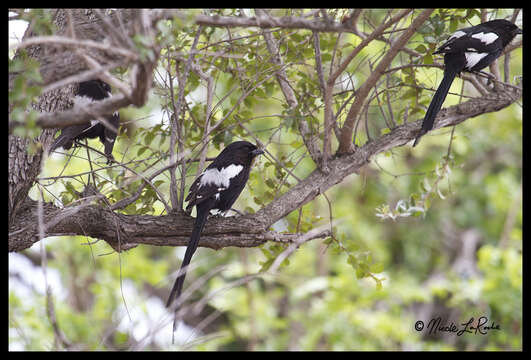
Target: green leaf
(149, 137)
(270, 183)
(377, 268)
(428, 59)
(430, 39)
(352, 261)
(421, 48)
(227, 138)
(141, 150)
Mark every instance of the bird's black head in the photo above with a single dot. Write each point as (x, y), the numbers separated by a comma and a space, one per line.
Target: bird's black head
(507, 26)
(241, 152)
(94, 89)
(507, 29)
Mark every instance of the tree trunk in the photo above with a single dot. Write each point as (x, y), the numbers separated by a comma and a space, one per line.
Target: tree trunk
(55, 63)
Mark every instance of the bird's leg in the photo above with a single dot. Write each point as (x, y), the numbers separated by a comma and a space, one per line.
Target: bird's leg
(218, 214)
(486, 74)
(490, 77)
(110, 159)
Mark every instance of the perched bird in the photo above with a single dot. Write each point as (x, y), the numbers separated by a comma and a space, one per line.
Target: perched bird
(217, 188)
(88, 92)
(470, 49)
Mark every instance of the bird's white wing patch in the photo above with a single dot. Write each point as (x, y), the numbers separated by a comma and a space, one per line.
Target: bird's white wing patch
(486, 38)
(231, 171)
(210, 176)
(221, 178)
(472, 58)
(457, 35)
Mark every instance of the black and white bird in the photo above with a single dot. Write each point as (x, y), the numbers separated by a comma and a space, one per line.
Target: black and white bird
(86, 93)
(470, 49)
(217, 188)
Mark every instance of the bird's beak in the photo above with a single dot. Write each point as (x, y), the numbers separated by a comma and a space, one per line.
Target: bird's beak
(257, 152)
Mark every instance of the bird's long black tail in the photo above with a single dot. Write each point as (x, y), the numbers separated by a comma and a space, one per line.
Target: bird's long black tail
(68, 135)
(59, 142)
(200, 220)
(436, 103)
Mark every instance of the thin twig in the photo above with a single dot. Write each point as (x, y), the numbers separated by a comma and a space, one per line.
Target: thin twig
(177, 128)
(50, 307)
(319, 232)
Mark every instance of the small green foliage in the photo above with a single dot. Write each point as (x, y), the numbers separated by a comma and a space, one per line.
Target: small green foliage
(271, 252)
(24, 92)
(419, 203)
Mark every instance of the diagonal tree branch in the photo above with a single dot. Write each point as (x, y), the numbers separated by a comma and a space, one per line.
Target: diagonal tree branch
(376, 33)
(98, 221)
(345, 142)
(287, 91)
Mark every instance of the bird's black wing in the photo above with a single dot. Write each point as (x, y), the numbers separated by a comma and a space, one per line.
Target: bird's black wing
(68, 135)
(89, 92)
(220, 182)
(108, 136)
(471, 49)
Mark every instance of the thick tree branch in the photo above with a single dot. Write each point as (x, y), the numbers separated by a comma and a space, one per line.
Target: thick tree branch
(251, 230)
(82, 115)
(77, 43)
(345, 164)
(100, 222)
